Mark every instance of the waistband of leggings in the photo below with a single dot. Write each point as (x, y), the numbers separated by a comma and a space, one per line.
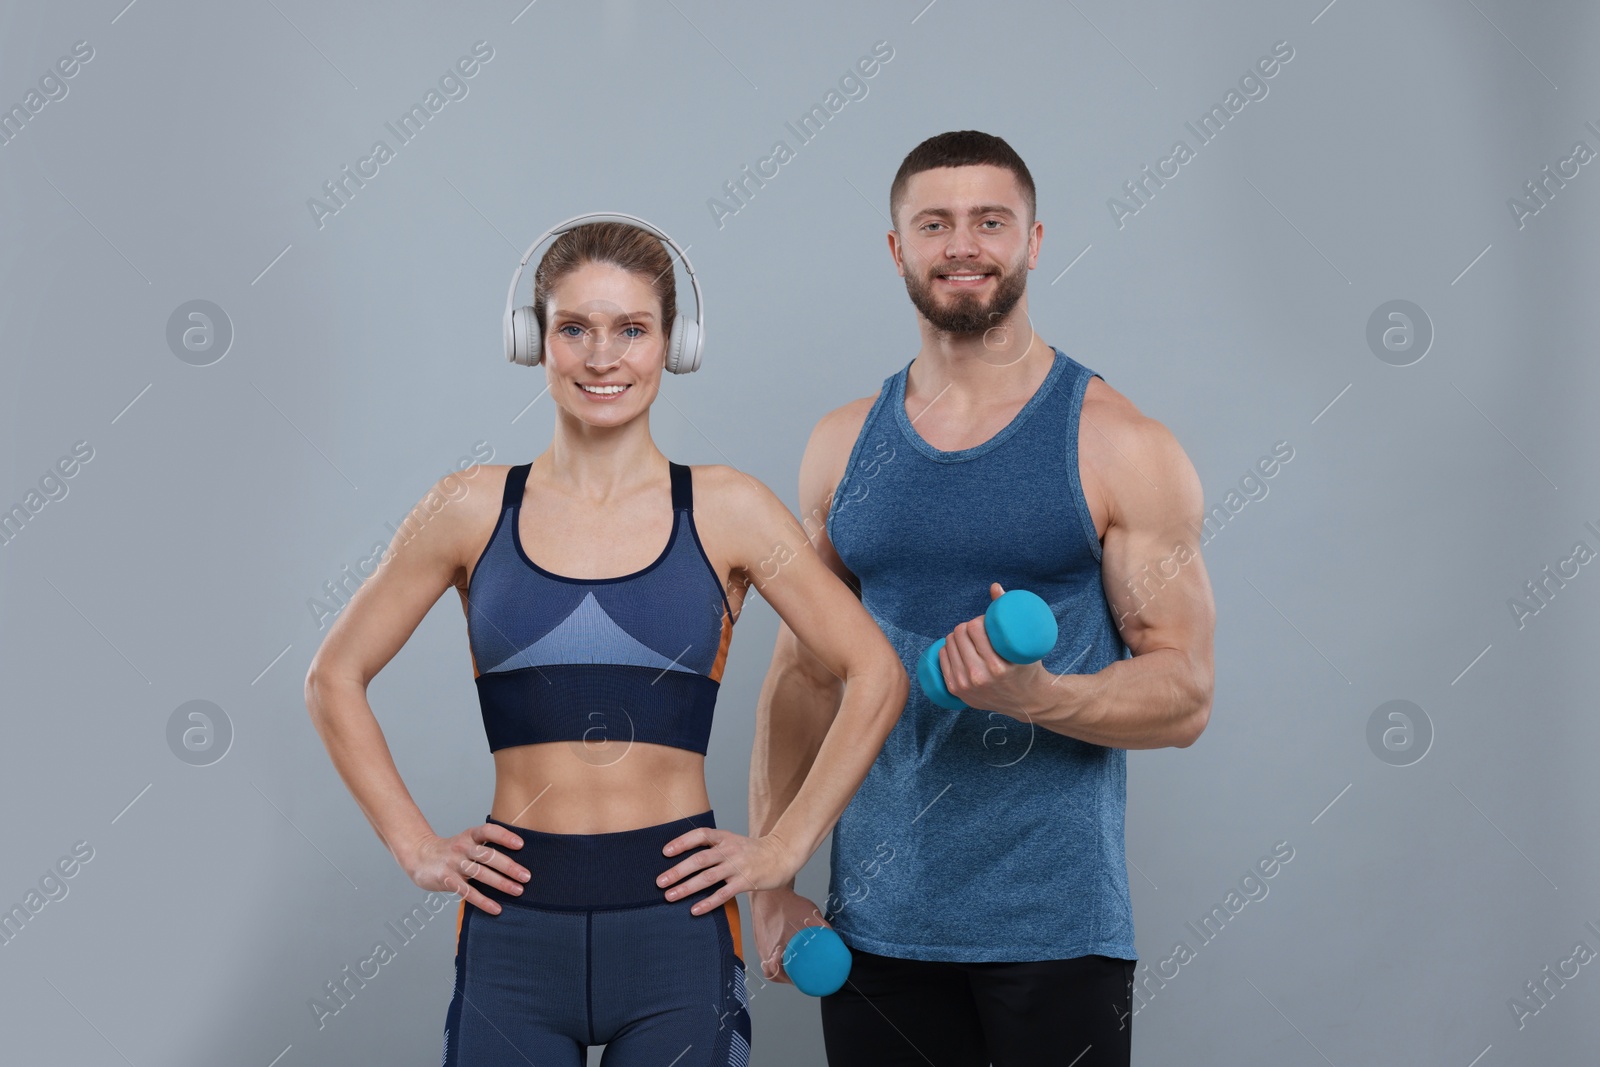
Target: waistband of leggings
(593, 871)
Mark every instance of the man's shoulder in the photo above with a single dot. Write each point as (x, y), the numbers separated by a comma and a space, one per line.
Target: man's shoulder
(1114, 433)
(827, 454)
(835, 433)
(847, 419)
(1108, 407)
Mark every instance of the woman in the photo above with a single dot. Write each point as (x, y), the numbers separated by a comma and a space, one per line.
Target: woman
(602, 893)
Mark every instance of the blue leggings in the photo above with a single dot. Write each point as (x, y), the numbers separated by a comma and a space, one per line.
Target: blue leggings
(592, 953)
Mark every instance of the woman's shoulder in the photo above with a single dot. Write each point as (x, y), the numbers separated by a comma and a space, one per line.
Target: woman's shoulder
(483, 484)
(740, 519)
(734, 499)
(462, 500)
(723, 486)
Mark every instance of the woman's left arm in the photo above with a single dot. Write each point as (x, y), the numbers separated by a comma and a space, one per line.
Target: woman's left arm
(772, 551)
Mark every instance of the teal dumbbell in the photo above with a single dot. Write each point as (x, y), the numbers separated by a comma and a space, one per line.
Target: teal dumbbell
(817, 961)
(1022, 629)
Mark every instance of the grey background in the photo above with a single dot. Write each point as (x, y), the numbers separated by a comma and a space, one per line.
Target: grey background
(366, 361)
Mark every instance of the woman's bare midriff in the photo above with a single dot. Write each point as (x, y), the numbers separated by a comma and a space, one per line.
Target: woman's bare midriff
(580, 787)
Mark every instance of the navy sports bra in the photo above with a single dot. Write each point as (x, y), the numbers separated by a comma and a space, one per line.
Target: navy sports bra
(638, 657)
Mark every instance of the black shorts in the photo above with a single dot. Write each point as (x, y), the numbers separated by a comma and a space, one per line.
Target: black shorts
(1048, 1013)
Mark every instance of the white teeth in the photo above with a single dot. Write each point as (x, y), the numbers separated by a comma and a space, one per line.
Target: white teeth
(964, 277)
(603, 390)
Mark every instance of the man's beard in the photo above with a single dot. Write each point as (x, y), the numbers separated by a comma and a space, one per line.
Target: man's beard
(966, 313)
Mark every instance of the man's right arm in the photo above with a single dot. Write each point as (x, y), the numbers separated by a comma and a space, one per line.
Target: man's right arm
(797, 705)
(800, 696)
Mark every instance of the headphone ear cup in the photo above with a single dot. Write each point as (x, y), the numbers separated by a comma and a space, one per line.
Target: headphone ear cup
(685, 351)
(675, 346)
(527, 345)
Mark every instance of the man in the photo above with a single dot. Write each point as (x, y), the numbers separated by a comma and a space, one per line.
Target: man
(979, 876)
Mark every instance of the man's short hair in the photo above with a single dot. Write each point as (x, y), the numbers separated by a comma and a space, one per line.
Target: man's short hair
(960, 148)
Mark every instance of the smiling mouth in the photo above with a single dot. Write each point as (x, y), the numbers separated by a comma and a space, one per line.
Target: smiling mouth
(602, 390)
(964, 279)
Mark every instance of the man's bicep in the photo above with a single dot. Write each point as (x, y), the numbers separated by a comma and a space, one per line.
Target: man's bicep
(821, 471)
(830, 556)
(1150, 565)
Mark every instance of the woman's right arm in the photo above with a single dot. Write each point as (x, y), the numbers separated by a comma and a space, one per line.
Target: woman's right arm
(429, 554)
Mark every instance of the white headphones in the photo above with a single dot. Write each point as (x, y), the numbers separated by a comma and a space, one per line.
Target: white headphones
(525, 343)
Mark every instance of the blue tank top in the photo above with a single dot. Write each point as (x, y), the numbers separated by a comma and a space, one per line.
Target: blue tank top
(976, 837)
(638, 657)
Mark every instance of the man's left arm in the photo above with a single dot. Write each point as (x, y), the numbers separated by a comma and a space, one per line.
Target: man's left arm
(1160, 596)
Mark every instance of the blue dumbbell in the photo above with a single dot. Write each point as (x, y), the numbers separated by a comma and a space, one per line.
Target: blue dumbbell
(1021, 627)
(816, 961)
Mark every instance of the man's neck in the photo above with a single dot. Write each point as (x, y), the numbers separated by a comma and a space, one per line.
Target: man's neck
(999, 363)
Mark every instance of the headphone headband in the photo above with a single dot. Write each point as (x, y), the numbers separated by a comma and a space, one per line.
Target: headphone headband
(683, 353)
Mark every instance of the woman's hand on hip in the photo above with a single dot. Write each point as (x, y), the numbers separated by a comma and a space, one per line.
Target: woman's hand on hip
(740, 863)
(444, 864)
